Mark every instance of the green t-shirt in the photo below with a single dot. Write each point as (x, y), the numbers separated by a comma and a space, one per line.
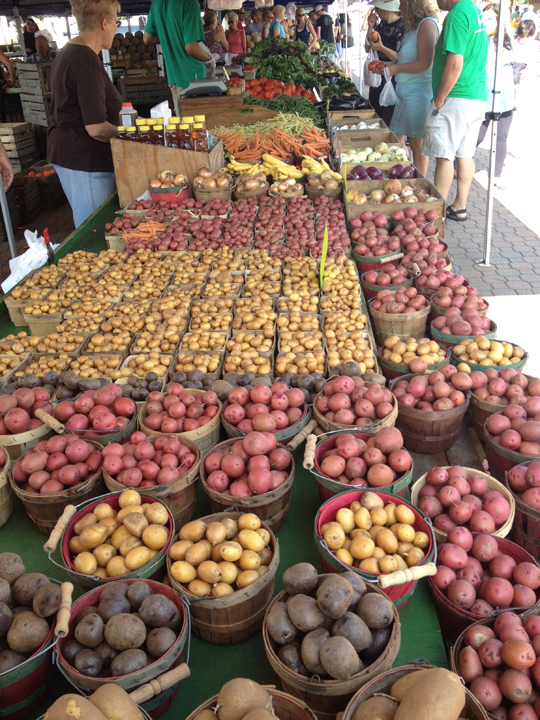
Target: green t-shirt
(463, 33)
(177, 23)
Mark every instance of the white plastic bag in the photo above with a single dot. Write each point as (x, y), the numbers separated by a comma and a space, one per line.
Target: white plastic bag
(371, 79)
(225, 4)
(388, 95)
(32, 259)
(290, 12)
(264, 3)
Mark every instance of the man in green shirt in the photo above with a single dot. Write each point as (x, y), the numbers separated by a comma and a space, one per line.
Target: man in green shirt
(459, 100)
(177, 26)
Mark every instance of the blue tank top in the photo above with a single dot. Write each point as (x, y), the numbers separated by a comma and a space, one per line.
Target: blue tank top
(276, 24)
(408, 52)
(303, 35)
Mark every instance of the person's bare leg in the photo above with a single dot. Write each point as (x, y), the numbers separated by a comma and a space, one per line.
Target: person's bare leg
(465, 175)
(401, 139)
(444, 174)
(420, 161)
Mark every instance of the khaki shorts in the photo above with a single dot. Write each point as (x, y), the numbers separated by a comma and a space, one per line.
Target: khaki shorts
(175, 91)
(453, 132)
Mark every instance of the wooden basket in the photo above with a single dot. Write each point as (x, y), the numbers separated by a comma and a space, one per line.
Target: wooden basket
(315, 192)
(236, 617)
(116, 242)
(282, 436)
(43, 325)
(500, 459)
(17, 445)
(432, 432)
(215, 194)
(525, 530)
(180, 496)
(173, 657)
(328, 697)
(476, 366)
(45, 510)
(258, 193)
(391, 371)
(6, 496)
(271, 507)
(328, 426)
(297, 192)
(403, 325)
(285, 707)
(204, 437)
(493, 484)
(479, 411)
(383, 683)
(451, 340)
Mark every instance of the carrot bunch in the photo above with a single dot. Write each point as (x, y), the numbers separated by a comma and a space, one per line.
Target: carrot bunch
(279, 144)
(150, 228)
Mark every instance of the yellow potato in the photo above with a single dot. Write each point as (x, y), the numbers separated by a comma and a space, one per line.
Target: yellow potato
(361, 547)
(210, 572)
(216, 533)
(199, 588)
(246, 578)
(355, 506)
(93, 535)
(183, 572)
(344, 556)
(387, 541)
(378, 553)
(421, 540)
(250, 540)
(266, 556)
(85, 563)
(404, 549)
(390, 511)
(231, 526)
(124, 512)
(359, 532)
(137, 557)
(362, 518)
(401, 564)
(370, 565)
(103, 553)
(194, 531)
(375, 530)
(334, 537)
(215, 554)
(197, 554)
(111, 525)
(89, 519)
(414, 556)
(378, 516)
(75, 545)
(100, 573)
(249, 560)
(229, 572)
(222, 590)
(129, 544)
(104, 510)
(262, 570)
(405, 515)
(129, 497)
(249, 521)
(178, 550)
(371, 501)
(136, 523)
(116, 566)
(155, 537)
(118, 536)
(345, 518)
(387, 564)
(265, 535)
(156, 514)
(405, 533)
(231, 551)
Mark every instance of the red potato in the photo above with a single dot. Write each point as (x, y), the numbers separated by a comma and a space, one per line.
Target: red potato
(461, 593)
(475, 635)
(487, 693)
(515, 686)
(527, 574)
(469, 664)
(489, 653)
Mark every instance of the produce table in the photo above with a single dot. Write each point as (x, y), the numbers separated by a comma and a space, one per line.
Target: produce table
(212, 665)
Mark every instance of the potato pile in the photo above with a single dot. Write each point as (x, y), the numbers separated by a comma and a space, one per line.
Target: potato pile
(217, 558)
(375, 537)
(27, 601)
(417, 355)
(422, 694)
(108, 701)
(238, 699)
(482, 351)
(108, 543)
(505, 386)
(330, 626)
(130, 628)
(350, 401)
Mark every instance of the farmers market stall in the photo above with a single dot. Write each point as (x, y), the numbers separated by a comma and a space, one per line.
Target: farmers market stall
(261, 285)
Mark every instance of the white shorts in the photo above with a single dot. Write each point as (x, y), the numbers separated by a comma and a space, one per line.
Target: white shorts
(453, 132)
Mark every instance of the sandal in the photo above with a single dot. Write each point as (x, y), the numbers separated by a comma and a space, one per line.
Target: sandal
(459, 215)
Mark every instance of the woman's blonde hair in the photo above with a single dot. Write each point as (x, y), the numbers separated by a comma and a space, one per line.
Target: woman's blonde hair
(90, 13)
(268, 14)
(209, 17)
(279, 11)
(416, 10)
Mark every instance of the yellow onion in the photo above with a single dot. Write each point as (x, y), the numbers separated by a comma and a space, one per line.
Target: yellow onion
(155, 183)
(283, 187)
(326, 175)
(167, 175)
(392, 198)
(204, 172)
(179, 180)
(314, 181)
(406, 191)
(209, 183)
(251, 184)
(290, 181)
(331, 184)
(222, 180)
(166, 184)
(198, 182)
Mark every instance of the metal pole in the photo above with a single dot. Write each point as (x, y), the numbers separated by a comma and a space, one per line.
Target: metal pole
(106, 55)
(495, 116)
(129, 23)
(67, 28)
(19, 30)
(7, 220)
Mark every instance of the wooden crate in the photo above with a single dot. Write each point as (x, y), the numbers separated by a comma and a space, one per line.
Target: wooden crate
(136, 164)
(366, 186)
(35, 84)
(145, 89)
(336, 120)
(357, 139)
(28, 198)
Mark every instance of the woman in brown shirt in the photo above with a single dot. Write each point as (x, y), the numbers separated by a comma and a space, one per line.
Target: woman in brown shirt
(84, 110)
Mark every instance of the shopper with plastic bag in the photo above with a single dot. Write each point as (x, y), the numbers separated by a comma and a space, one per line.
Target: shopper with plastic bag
(412, 75)
(386, 33)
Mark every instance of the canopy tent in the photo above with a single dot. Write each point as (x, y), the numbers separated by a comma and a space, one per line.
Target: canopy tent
(58, 8)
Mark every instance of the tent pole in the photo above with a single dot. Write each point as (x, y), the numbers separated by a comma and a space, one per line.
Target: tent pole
(67, 28)
(19, 30)
(106, 55)
(7, 221)
(495, 116)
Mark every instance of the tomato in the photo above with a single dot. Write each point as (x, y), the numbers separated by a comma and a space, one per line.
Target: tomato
(288, 92)
(269, 94)
(291, 86)
(253, 92)
(280, 84)
(261, 94)
(254, 84)
(298, 93)
(262, 81)
(381, 66)
(373, 65)
(31, 174)
(270, 84)
(305, 93)
(300, 87)
(278, 92)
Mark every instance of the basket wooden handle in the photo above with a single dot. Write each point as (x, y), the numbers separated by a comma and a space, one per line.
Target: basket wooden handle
(309, 452)
(415, 270)
(402, 576)
(64, 611)
(50, 422)
(302, 435)
(65, 517)
(397, 256)
(158, 685)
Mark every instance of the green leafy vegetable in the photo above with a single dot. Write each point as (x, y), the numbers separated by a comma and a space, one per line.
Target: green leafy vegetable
(290, 105)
